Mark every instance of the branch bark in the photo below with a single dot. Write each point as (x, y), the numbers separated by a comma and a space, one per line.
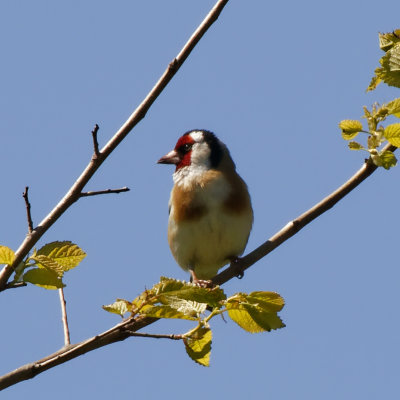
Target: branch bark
(127, 328)
(99, 156)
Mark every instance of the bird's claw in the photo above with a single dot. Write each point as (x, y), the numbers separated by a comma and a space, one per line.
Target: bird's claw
(236, 263)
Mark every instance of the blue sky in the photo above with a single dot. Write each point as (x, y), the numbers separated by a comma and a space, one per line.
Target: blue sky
(272, 80)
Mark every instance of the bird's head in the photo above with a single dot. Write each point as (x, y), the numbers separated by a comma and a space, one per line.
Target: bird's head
(197, 148)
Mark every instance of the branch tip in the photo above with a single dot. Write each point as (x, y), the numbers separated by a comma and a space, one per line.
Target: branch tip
(95, 141)
(107, 191)
(28, 209)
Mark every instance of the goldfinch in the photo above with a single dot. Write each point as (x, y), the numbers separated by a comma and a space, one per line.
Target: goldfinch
(210, 213)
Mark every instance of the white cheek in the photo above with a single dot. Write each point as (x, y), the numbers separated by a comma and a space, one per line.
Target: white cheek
(200, 155)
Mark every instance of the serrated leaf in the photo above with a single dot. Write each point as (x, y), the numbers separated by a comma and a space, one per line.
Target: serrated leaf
(388, 40)
(268, 301)
(188, 291)
(350, 128)
(388, 159)
(355, 146)
(394, 107)
(198, 346)
(7, 256)
(392, 134)
(66, 253)
(256, 312)
(120, 307)
(45, 262)
(390, 71)
(187, 307)
(254, 320)
(44, 278)
(165, 312)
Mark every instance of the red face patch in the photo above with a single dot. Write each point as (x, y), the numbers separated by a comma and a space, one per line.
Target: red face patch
(184, 149)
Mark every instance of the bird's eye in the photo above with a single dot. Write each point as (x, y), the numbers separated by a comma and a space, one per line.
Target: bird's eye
(186, 147)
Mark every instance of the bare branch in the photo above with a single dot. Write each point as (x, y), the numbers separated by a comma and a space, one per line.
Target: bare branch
(107, 191)
(64, 319)
(95, 141)
(74, 192)
(28, 209)
(300, 222)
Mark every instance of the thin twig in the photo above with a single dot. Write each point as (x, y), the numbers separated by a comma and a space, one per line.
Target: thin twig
(95, 141)
(15, 285)
(64, 318)
(107, 191)
(154, 336)
(74, 192)
(125, 329)
(28, 209)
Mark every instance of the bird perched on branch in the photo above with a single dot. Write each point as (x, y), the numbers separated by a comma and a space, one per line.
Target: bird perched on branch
(210, 213)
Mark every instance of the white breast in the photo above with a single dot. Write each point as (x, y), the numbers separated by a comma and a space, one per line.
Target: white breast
(206, 244)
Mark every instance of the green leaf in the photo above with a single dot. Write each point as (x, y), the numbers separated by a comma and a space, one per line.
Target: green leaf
(66, 254)
(165, 312)
(7, 256)
(268, 301)
(198, 346)
(390, 71)
(355, 146)
(256, 312)
(119, 307)
(350, 128)
(187, 307)
(388, 159)
(44, 278)
(392, 134)
(188, 291)
(388, 40)
(394, 107)
(48, 263)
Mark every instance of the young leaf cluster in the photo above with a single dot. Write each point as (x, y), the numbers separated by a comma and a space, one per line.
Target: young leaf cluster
(377, 134)
(389, 71)
(46, 266)
(170, 298)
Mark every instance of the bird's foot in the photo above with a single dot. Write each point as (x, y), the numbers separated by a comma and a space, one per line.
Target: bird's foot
(237, 265)
(200, 282)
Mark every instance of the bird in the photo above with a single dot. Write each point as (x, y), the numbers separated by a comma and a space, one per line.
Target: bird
(210, 211)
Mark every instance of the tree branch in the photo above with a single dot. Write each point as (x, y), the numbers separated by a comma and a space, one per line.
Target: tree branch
(107, 191)
(300, 222)
(128, 327)
(75, 191)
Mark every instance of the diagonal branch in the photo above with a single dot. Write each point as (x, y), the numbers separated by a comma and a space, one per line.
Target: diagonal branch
(127, 328)
(74, 192)
(300, 222)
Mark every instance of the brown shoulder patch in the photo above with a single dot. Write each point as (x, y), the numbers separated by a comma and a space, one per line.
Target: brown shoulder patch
(238, 200)
(186, 206)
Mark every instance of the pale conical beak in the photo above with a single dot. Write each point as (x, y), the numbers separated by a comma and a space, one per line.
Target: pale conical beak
(171, 158)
